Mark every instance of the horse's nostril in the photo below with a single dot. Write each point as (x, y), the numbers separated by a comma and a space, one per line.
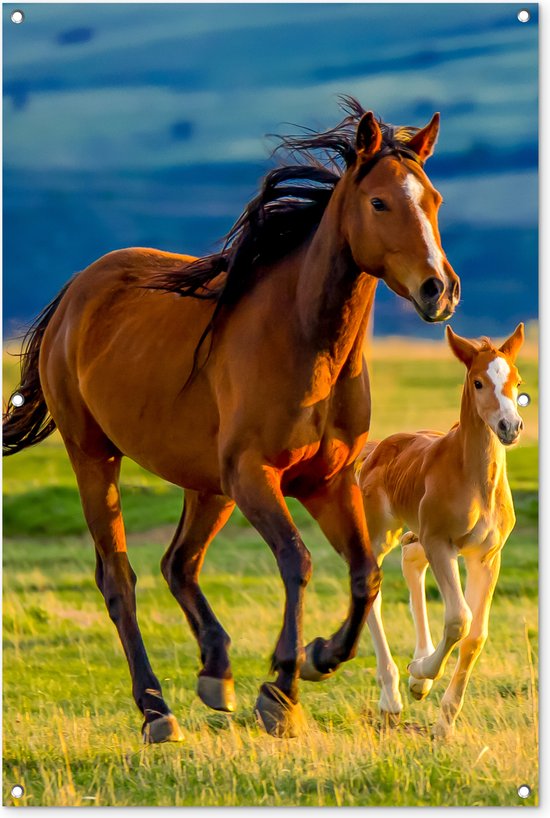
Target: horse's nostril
(431, 289)
(456, 290)
(503, 426)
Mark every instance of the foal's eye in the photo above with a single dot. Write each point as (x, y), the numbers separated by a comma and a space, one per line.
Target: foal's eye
(478, 384)
(378, 204)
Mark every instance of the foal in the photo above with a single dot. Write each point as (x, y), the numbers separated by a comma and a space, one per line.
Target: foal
(452, 490)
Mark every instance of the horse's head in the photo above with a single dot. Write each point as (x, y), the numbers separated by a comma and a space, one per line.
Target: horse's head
(493, 381)
(390, 218)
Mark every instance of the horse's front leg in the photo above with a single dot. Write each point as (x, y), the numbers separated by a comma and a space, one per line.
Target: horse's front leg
(338, 508)
(256, 489)
(480, 586)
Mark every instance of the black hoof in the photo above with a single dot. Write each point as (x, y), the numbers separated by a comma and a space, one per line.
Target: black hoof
(309, 671)
(277, 714)
(219, 694)
(165, 728)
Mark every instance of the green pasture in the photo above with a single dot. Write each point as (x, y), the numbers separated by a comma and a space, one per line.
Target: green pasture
(71, 730)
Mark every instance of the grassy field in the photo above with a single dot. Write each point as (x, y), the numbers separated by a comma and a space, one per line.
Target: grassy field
(71, 730)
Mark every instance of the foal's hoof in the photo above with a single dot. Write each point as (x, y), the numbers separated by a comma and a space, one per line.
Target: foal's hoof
(308, 669)
(165, 728)
(219, 694)
(419, 687)
(278, 715)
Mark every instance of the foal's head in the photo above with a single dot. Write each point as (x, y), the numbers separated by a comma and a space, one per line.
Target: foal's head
(493, 381)
(390, 219)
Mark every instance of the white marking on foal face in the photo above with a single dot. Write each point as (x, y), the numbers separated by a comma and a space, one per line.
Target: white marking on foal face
(414, 191)
(498, 372)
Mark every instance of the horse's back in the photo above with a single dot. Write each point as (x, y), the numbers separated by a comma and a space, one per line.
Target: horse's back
(396, 466)
(115, 358)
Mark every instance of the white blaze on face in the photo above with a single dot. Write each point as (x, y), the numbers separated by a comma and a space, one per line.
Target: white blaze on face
(499, 372)
(414, 191)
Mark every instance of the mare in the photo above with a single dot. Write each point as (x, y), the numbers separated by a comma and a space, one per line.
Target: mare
(239, 377)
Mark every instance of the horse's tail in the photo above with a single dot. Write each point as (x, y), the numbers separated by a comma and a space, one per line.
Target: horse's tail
(29, 423)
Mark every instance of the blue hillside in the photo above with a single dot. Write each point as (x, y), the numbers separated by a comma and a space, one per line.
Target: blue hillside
(131, 124)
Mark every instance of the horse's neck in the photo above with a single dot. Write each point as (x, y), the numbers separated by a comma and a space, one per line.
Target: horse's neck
(483, 456)
(334, 299)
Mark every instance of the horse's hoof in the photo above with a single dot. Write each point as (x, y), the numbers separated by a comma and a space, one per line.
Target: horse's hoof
(277, 714)
(308, 670)
(409, 538)
(165, 728)
(219, 694)
(419, 688)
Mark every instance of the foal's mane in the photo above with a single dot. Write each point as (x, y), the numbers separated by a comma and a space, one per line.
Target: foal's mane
(286, 211)
(483, 344)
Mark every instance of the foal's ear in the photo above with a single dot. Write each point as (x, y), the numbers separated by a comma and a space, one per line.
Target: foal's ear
(369, 136)
(423, 142)
(462, 349)
(513, 344)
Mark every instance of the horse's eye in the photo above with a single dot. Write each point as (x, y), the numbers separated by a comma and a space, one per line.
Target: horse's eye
(478, 384)
(378, 204)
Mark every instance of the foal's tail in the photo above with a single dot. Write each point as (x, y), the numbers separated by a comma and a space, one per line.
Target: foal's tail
(365, 452)
(31, 422)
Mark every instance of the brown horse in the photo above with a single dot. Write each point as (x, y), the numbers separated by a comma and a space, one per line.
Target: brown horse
(278, 405)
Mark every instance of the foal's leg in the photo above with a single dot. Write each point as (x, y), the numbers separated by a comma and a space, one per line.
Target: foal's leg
(444, 563)
(203, 516)
(414, 564)
(338, 509)
(257, 491)
(480, 585)
(387, 672)
(99, 492)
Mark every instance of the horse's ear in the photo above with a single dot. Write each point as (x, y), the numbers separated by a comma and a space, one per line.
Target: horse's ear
(423, 142)
(462, 349)
(369, 136)
(513, 344)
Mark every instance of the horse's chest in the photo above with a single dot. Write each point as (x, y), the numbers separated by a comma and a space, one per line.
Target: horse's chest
(490, 525)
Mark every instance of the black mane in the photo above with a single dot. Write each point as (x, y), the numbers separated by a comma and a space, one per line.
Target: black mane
(286, 211)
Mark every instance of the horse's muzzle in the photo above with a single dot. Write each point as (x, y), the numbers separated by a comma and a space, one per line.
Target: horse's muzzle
(434, 312)
(436, 300)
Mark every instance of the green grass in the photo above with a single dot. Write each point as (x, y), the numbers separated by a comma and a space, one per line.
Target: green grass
(71, 731)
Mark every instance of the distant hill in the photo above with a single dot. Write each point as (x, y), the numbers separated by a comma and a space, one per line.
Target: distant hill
(145, 125)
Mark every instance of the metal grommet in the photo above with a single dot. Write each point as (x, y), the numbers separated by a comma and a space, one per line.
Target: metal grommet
(17, 791)
(524, 399)
(17, 400)
(524, 791)
(524, 16)
(17, 16)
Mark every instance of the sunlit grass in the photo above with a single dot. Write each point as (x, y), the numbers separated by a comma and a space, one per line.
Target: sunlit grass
(71, 730)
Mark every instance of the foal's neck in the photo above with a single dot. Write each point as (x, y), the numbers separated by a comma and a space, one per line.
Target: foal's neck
(483, 455)
(334, 298)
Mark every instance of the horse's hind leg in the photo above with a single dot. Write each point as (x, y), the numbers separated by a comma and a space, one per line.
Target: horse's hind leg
(98, 484)
(414, 564)
(203, 516)
(338, 509)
